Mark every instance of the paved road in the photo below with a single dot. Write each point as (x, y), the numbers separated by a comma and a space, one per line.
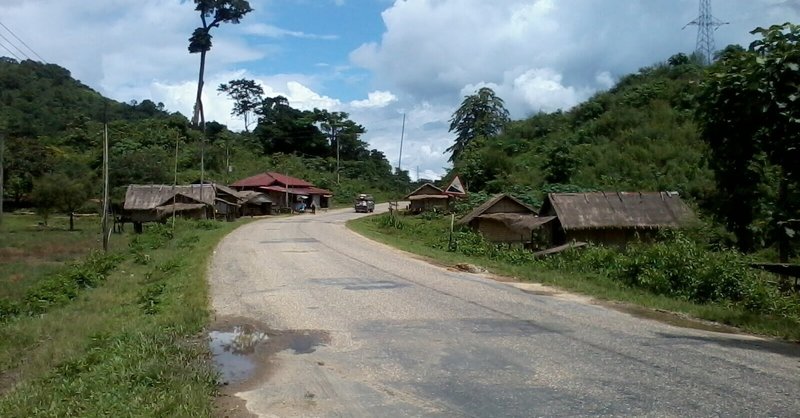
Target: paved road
(360, 329)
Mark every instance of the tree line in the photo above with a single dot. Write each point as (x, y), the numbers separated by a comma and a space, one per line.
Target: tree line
(726, 136)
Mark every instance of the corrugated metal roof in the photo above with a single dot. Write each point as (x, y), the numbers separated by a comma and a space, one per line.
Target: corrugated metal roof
(641, 210)
(297, 190)
(271, 178)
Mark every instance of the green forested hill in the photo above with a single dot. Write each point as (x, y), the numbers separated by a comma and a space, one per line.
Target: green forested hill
(53, 126)
(44, 100)
(640, 135)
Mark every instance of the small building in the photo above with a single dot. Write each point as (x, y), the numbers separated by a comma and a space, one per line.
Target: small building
(614, 218)
(254, 203)
(226, 201)
(506, 219)
(156, 202)
(285, 191)
(428, 197)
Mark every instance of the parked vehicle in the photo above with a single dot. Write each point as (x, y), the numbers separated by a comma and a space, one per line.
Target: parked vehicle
(364, 203)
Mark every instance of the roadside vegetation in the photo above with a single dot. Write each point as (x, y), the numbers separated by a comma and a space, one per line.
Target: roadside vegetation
(678, 274)
(118, 334)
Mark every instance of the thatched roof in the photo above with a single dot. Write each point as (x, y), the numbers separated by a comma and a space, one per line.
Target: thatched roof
(252, 196)
(427, 196)
(425, 189)
(639, 210)
(486, 208)
(519, 221)
(147, 197)
(167, 210)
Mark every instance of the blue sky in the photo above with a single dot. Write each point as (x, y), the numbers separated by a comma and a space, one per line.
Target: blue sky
(377, 59)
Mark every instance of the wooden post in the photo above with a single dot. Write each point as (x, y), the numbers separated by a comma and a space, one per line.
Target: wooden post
(2, 147)
(106, 231)
(175, 182)
(450, 240)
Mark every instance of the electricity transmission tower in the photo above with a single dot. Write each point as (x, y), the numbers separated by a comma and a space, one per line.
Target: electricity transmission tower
(706, 24)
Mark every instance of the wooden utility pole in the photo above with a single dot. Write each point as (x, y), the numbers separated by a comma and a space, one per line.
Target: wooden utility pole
(400, 158)
(2, 147)
(175, 182)
(106, 231)
(333, 127)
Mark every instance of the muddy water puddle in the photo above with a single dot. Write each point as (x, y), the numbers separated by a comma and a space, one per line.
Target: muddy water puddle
(242, 350)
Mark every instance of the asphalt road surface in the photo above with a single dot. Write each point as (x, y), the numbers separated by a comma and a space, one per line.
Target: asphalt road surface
(356, 328)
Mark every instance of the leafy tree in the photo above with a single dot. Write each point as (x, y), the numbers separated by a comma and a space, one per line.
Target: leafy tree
(45, 189)
(219, 11)
(482, 114)
(60, 191)
(247, 96)
(750, 116)
(284, 129)
(560, 163)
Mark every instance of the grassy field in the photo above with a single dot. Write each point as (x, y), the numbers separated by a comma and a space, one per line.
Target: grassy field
(29, 251)
(130, 343)
(429, 239)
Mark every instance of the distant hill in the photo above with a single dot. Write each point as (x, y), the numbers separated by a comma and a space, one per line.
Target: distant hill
(43, 99)
(640, 135)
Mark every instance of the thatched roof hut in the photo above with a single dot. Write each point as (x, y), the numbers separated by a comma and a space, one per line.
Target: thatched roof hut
(616, 217)
(504, 218)
(427, 197)
(255, 203)
(146, 203)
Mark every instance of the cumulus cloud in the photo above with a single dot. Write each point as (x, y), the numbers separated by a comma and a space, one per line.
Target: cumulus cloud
(375, 99)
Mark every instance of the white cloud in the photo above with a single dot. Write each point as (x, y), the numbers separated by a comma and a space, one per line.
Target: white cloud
(605, 80)
(375, 99)
(271, 31)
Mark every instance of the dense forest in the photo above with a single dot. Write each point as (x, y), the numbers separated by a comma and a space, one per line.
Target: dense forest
(54, 126)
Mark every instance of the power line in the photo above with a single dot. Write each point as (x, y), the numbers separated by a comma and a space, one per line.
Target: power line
(23, 43)
(15, 47)
(10, 52)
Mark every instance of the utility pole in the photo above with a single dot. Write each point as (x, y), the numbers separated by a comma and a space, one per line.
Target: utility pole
(106, 231)
(706, 24)
(333, 130)
(402, 133)
(175, 181)
(2, 148)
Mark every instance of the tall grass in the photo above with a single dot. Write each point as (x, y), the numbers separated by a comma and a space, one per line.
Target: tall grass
(130, 345)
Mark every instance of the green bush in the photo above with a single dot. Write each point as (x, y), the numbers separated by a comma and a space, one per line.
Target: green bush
(62, 287)
(154, 237)
(681, 267)
(206, 224)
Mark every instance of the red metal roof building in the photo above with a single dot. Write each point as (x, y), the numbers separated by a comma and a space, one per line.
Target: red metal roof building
(287, 191)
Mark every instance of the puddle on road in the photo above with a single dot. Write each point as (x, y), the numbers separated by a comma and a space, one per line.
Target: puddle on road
(233, 351)
(242, 350)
